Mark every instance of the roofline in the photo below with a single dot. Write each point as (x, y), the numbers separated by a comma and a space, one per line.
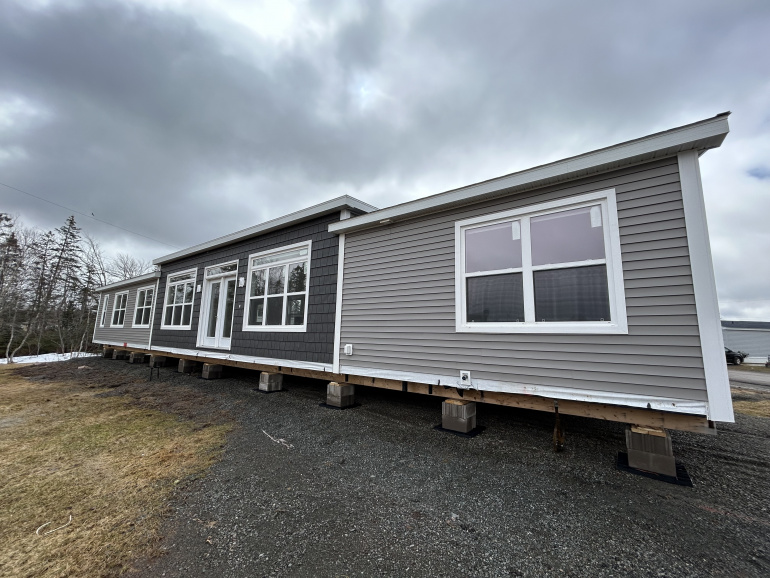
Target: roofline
(339, 203)
(126, 282)
(701, 135)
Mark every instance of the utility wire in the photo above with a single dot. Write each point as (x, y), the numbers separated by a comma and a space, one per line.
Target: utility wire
(91, 216)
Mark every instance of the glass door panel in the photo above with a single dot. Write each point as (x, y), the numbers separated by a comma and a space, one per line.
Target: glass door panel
(228, 306)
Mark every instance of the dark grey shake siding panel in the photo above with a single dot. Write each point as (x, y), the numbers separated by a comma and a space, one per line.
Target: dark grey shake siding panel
(399, 302)
(316, 345)
(128, 333)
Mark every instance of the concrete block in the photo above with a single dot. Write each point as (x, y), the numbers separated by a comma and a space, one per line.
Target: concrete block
(187, 366)
(211, 371)
(107, 352)
(136, 357)
(270, 381)
(120, 354)
(458, 415)
(158, 361)
(340, 394)
(650, 450)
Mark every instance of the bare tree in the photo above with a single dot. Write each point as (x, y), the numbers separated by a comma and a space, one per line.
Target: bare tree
(124, 266)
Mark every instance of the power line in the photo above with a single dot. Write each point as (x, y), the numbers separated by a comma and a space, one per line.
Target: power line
(91, 216)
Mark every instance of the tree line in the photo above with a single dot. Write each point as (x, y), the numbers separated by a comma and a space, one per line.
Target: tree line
(48, 282)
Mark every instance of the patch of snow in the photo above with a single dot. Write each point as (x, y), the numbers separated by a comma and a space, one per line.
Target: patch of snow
(48, 357)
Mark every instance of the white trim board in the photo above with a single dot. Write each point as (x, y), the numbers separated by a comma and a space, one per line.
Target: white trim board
(132, 281)
(698, 136)
(122, 344)
(591, 396)
(325, 367)
(344, 202)
(706, 304)
(338, 304)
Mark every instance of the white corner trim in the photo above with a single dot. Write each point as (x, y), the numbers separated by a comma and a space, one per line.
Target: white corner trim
(152, 313)
(706, 303)
(338, 304)
(593, 396)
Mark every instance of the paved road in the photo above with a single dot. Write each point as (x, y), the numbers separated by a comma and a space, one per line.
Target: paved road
(749, 379)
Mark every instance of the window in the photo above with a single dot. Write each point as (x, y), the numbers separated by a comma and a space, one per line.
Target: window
(119, 310)
(551, 268)
(177, 311)
(278, 289)
(143, 307)
(105, 302)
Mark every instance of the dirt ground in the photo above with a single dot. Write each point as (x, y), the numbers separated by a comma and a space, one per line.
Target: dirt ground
(302, 490)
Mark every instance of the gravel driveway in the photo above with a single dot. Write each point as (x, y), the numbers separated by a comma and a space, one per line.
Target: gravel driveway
(376, 491)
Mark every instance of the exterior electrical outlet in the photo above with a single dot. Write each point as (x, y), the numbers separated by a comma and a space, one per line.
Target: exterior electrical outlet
(465, 378)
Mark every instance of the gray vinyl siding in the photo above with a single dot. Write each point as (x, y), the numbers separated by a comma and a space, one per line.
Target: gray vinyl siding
(398, 306)
(128, 333)
(316, 345)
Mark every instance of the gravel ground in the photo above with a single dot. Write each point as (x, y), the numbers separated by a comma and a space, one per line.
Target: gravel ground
(376, 491)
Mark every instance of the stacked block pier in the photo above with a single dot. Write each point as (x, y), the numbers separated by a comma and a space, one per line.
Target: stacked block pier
(269, 382)
(340, 395)
(458, 415)
(211, 371)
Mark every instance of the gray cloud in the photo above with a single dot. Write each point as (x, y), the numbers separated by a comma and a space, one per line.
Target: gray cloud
(186, 125)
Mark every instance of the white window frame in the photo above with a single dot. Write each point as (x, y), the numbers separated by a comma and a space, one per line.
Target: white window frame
(194, 280)
(137, 307)
(618, 324)
(204, 312)
(105, 304)
(116, 310)
(278, 328)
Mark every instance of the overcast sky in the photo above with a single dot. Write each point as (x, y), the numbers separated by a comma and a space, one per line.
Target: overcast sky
(186, 120)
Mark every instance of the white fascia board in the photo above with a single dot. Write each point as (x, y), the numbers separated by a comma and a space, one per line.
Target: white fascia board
(701, 135)
(338, 204)
(205, 354)
(704, 287)
(552, 392)
(127, 282)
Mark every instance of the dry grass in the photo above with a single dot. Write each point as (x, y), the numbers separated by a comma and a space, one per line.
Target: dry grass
(109, 463)
(760, 408)
(754, 368)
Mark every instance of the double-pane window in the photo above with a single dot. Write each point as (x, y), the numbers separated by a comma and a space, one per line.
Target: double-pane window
(540, 268)
(278, 289)
(179, 300)
(105, 303)
(119, 311)
(143, 307)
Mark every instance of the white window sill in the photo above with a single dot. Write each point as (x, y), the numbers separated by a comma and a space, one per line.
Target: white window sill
(176, 327)
(574, 328)
(273, 328)
(140, 326)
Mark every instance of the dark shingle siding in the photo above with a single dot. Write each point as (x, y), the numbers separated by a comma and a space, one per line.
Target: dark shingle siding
(315, 345)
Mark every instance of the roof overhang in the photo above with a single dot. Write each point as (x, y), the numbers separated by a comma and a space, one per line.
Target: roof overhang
(700, 136)
(332, 206)
(126, 282)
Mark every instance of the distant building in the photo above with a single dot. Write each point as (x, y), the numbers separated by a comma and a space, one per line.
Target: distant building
(752, 337)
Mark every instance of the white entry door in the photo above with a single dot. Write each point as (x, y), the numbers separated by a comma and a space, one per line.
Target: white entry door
(219, 301)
